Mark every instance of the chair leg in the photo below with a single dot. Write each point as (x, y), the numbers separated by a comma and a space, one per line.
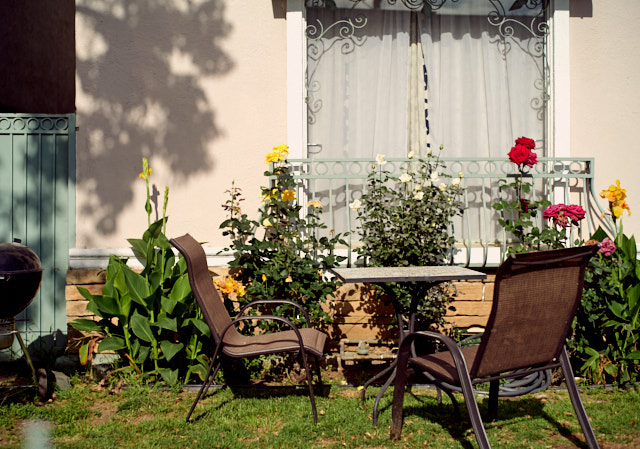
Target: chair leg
(402, 361)
(578, 407)
(319, 373)
(208, 378)
(310, 383)
(472, 408)
(494, 391)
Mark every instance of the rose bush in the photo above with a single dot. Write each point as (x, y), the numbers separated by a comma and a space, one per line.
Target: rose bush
(406, 221)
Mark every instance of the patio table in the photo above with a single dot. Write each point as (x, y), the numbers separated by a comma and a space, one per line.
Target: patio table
(430, 276)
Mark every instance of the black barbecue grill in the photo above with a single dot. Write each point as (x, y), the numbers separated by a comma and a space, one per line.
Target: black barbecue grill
(20, 276)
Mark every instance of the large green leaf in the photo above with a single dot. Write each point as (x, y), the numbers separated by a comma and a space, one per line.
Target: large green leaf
(168, 305)
(169, 376)
(170, 349)
(84, 325)
(163, 242)
(140, 249)
(181, 289)
(106, 304)
(142, 355)
(599, 235)
(199, 324)
(119, 281)
(154, 230)
(85, 293)
(141, 327)
(168, 323)
(124, 306)
(137, 285)
(635, 355)
(112, 343)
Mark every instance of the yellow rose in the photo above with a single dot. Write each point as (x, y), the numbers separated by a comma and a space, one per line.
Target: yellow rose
(288, 195)
(272, 157)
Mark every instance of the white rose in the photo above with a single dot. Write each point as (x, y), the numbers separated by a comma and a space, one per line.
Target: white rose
(405, 177)
(380, 159)
(418, 196)
(357, 204)
(455, 182)
(411, 155)
(442, 187)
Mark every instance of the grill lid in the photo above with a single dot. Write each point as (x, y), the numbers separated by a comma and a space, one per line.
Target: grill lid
(17, 258)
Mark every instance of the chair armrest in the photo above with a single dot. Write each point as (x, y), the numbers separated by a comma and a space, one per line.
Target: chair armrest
(405, 349)
(275, 301)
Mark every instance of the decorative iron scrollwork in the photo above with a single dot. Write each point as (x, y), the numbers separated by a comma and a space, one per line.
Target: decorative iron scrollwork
(345, 36)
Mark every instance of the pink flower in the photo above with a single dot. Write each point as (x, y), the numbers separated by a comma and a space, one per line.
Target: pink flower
(562, 214)
(526, 142)
(575, 212)
(608, 247)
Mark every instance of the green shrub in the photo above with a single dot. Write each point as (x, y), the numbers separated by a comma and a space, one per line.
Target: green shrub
(406, 221)
(280, 256)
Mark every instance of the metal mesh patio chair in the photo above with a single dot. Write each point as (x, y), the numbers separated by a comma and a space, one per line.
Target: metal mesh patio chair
(228, 340)
(536, 296)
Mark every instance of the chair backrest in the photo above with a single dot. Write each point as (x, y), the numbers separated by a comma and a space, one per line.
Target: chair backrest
(536, 296)
(207, 296)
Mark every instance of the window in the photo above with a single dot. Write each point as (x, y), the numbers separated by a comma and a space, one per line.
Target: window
(468, 75)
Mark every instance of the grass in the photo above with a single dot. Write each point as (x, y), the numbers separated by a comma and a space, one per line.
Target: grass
(86, 416)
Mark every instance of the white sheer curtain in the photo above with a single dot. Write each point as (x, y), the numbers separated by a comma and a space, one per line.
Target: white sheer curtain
(358, 86)
(482, 87)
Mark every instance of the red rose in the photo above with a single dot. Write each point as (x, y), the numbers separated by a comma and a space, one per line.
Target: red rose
(531, 160)
(519, 155)
(524, 205)
(574, 212)
(526, 142)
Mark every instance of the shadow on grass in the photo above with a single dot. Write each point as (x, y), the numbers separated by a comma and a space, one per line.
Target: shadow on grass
(459, 426)
(257, 391)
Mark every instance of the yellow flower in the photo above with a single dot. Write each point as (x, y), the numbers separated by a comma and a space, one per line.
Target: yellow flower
(143, 176)
(314, 203)
(272, 157)
(614, 193)
(282, 150)
(266, 222)
(288, 195)
(618, 207)
(264, 277)
(288, 279)
(240, 290)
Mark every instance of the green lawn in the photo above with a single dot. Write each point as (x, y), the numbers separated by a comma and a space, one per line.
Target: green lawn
(140, 417)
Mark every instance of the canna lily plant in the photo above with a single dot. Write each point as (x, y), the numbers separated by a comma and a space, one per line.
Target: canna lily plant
(150, 318)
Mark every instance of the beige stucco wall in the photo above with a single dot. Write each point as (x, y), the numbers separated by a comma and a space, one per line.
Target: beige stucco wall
(605, 94)
(198, 87)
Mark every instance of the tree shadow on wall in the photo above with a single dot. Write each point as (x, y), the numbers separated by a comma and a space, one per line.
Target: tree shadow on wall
(141, 65)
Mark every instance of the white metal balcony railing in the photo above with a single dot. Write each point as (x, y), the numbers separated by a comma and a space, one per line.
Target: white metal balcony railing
(480, 240)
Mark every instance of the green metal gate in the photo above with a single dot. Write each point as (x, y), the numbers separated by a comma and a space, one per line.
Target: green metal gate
(37, 206)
